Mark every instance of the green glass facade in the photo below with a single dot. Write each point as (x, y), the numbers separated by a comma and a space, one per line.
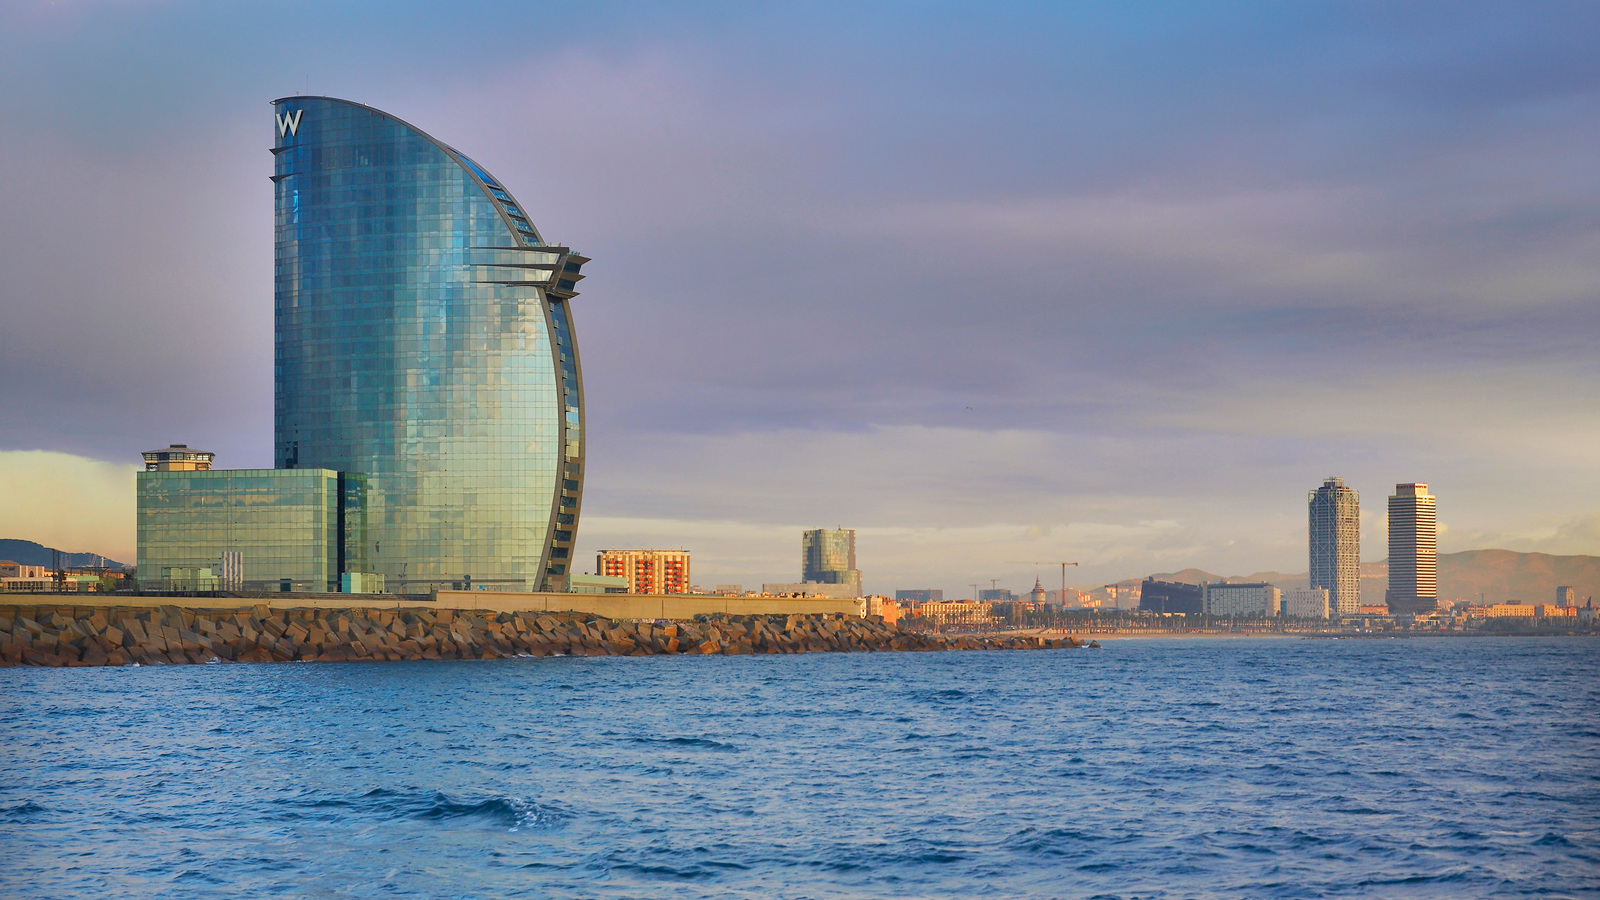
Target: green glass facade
(424, 341)
(287, 526)
(828, 556)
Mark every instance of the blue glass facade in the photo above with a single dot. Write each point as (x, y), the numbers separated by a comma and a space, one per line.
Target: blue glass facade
(425, 348)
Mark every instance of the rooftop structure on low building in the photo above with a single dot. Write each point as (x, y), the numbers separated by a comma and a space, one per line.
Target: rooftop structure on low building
(178, 458)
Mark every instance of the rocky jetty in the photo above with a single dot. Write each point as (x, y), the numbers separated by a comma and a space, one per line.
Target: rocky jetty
(170, 635)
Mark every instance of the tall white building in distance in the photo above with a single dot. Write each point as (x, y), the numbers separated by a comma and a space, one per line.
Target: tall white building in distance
(1413, 550)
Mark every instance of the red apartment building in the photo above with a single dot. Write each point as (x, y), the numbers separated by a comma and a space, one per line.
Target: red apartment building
(647, 571)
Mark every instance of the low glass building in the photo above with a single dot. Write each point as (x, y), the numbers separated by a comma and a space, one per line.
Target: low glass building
(424, 340)
(287, 527)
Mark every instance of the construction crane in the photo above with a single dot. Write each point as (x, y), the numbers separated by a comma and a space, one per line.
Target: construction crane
(1063, 565)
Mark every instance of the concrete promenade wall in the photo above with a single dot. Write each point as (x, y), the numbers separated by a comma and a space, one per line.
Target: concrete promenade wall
(610, 606)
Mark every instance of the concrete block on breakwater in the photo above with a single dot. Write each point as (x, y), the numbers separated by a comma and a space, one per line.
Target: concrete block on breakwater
(48, 635)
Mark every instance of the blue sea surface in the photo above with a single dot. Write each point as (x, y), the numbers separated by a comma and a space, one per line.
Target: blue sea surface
(1151, 768)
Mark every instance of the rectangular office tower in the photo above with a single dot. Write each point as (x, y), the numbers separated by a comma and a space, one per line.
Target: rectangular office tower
(206, 529)
(1335, 531)
(424, 343)
(284, 527)
(1413, 550)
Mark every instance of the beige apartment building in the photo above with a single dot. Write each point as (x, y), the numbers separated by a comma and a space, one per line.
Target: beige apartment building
(647, 571)
(1307, 603)
(957, 612)
(1507, 610)
(1258, 599)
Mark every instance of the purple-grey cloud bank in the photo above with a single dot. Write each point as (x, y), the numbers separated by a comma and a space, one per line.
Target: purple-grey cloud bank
(1118, 281)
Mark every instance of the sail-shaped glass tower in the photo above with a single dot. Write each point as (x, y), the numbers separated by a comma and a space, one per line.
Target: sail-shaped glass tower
(424, 348)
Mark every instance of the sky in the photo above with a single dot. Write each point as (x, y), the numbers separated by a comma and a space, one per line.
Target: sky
(998, 286)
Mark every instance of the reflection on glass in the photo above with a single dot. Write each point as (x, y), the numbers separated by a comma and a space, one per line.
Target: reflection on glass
(402, 358)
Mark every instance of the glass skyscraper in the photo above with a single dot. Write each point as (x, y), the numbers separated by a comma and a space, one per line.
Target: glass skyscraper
(1335, 539)
(425, 348)
(828, 556)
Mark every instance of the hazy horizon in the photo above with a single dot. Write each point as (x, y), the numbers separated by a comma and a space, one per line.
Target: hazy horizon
(1116, 285)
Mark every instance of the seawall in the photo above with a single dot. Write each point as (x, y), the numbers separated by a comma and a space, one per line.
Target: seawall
(59, 635)
(611, 606)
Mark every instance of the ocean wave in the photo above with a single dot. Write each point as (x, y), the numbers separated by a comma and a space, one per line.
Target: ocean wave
(512, 813)
(1052, 842)
(696, 743)
(26, 811)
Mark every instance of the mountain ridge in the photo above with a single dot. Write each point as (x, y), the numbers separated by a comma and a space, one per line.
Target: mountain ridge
(1479, 576)
(33, 553)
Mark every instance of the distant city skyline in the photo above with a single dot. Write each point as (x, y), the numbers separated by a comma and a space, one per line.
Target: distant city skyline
(1232, 250)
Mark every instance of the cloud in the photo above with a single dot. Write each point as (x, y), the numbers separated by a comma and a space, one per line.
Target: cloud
(68, 502)
(1124, 283)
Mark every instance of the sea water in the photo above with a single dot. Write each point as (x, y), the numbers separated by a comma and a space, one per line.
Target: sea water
(1464, 767)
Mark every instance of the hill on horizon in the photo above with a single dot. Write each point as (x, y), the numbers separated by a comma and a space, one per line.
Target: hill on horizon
(32, 553)
(1486, 576)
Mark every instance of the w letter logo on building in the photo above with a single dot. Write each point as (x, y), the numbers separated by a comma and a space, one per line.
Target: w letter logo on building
(289, 124)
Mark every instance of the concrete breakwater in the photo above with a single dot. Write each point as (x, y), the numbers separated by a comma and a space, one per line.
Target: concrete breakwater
(170, 635)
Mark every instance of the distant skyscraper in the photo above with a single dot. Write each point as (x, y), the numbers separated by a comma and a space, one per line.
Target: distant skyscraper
(1413, 550)
(1335, 531)
(828, 556)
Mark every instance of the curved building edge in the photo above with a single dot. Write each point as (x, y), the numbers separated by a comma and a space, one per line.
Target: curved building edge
(556, 293)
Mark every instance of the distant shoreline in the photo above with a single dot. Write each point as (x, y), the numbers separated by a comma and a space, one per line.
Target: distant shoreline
(1320, 636)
